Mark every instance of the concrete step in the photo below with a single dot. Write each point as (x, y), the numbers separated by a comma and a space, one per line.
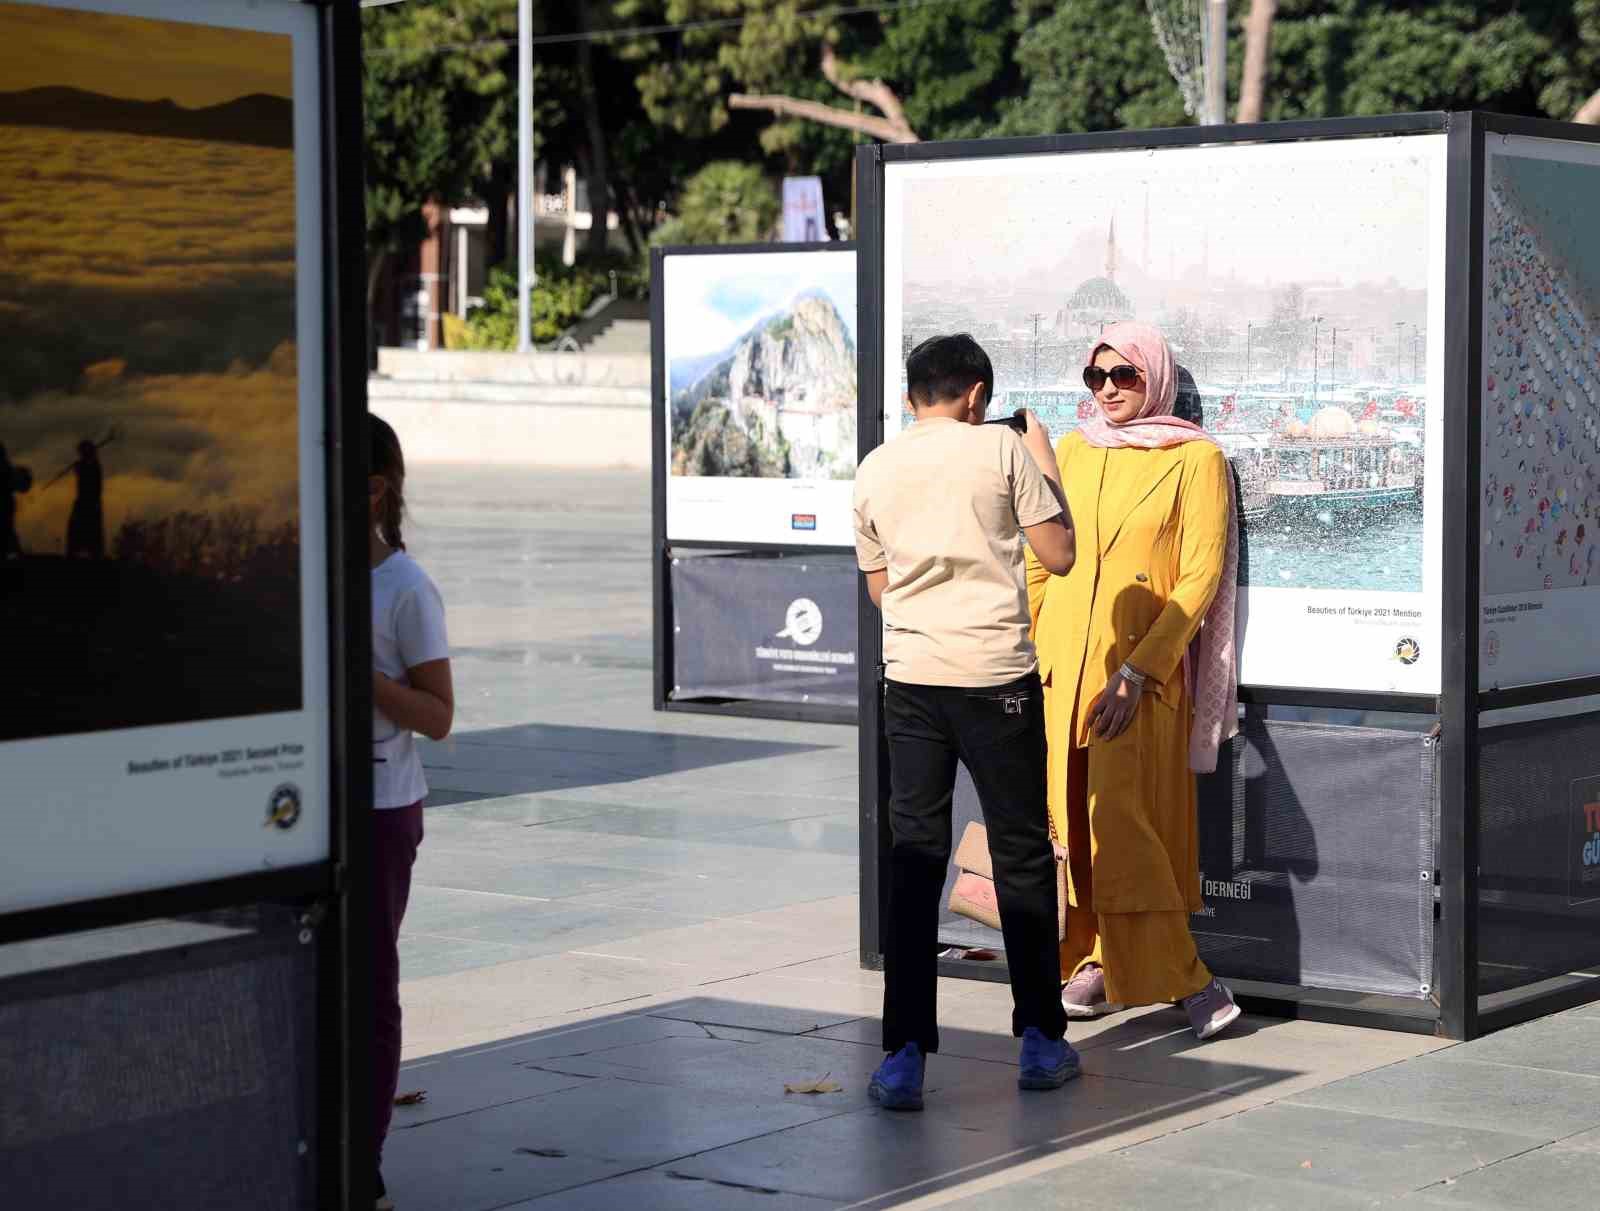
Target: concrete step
(622, 336)
(439, 391)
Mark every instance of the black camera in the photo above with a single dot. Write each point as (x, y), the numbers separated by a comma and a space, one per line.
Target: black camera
(1017, 420)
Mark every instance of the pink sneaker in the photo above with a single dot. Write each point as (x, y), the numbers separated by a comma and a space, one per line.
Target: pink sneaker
(1211, 1010)
(1084, 995)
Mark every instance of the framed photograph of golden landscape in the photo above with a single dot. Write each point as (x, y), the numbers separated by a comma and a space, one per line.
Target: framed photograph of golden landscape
(163, 543)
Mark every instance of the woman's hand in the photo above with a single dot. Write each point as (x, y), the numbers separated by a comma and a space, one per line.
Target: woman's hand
(1113, 708)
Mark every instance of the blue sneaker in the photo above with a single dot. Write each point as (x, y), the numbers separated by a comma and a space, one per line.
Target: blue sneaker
(897, 1085)
(1045, 1063)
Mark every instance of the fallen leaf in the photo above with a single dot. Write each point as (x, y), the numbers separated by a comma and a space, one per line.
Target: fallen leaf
(415, 1098)
(821, 1085)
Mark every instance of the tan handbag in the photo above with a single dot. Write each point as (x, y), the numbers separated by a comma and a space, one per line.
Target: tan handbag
(973, 895)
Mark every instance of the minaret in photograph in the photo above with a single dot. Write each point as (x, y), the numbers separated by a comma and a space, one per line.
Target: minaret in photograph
(1145, 264)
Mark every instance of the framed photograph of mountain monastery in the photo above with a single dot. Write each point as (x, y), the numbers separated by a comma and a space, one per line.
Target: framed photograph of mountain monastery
(756, 385)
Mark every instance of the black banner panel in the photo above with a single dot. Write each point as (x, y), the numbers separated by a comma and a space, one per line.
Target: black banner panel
(1539, 880)
(1317, 859)
(764, 628)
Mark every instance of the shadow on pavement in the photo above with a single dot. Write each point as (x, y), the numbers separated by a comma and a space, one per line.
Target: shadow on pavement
(683, 1105)
(536, 757)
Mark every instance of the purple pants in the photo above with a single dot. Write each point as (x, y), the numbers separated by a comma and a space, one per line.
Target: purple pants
(396, 833)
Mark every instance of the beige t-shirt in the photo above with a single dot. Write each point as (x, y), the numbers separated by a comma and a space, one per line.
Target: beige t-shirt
(942, 507)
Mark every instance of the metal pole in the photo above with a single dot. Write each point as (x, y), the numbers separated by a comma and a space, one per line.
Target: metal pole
(524, 176)
(1399, 349)
(1249, 331)
(1315, 320)
(1216, 62)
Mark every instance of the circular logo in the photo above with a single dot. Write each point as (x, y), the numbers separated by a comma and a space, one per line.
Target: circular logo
(283, 807)
(1491, 648)
(803, 622)
(1408, 651)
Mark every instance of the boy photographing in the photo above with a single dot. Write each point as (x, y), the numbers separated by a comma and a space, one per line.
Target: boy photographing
(940, 515)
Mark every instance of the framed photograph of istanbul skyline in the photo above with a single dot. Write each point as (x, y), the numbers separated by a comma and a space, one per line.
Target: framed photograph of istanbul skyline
(1300, 284)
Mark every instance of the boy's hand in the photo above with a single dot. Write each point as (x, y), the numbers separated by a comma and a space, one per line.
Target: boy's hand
(1037, 442)
(1037, 438)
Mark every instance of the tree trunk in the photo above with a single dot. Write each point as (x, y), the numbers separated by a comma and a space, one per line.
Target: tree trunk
(497, 246)
(875, 127)
(1589, 111)
(595, 136)
(891, 128)
(376, 260)
(1257, 51)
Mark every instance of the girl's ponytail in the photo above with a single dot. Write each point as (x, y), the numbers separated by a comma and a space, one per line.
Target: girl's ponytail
(389, 462)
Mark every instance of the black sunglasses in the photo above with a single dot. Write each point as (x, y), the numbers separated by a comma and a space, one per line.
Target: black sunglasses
(1122, 377)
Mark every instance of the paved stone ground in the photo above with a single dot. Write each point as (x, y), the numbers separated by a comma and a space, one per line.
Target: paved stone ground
(630, 930)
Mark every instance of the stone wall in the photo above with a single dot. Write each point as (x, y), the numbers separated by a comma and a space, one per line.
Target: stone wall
(575, 410)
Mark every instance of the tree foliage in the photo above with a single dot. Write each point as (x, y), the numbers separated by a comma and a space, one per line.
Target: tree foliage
(650, 109)
(437, 124)
(726, 202)
(1092, 65)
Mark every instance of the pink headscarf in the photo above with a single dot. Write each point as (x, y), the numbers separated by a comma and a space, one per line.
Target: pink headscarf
(1211, 663)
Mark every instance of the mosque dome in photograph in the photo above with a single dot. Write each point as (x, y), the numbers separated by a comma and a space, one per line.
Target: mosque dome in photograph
(1103, 296)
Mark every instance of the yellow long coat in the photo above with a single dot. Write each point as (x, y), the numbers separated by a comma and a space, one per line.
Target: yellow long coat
(1151, 538)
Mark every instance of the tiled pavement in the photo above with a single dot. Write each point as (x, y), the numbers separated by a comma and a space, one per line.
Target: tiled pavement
(630, 930)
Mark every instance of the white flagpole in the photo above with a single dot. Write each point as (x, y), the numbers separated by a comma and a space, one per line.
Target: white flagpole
(525, 200)
(1216, 42)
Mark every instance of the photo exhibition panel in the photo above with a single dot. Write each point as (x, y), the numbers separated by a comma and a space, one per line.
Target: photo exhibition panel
(163, 583)
(1301, 288)
(1300, 285)
(1540, 394)
(761, 396)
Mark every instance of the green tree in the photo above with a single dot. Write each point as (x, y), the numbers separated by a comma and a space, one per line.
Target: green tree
(726, 202)
(1092, 65)
(437, 123)
(1350, 57)
(953, 64)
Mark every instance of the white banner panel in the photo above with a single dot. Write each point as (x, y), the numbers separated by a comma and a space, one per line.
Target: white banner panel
(163, 586)
(761, 396)
(1301, 285)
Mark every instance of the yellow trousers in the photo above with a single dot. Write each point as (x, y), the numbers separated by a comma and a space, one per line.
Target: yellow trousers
(1148, 957)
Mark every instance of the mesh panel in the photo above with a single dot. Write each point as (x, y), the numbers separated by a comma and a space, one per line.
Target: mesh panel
(1314, 840)
(167, 1065)
(1539, 880)
(1317, 856)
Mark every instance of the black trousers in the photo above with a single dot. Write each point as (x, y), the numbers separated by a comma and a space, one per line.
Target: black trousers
(997, 732)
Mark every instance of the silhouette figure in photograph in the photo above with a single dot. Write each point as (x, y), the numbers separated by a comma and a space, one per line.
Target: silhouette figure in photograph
(86, 527)
(13, 479)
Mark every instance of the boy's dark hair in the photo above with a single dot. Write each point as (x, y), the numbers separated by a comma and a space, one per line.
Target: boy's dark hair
(943, 368)
(389, 462)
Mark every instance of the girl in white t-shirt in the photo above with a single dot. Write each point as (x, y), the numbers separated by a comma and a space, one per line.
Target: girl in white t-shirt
(411, 692)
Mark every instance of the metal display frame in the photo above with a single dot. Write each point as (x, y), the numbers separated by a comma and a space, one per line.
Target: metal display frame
(1454, 1009)
(661, 547)
(332, 895)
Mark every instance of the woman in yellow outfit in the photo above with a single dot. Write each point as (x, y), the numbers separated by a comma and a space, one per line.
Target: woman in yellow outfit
(1125, 660)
